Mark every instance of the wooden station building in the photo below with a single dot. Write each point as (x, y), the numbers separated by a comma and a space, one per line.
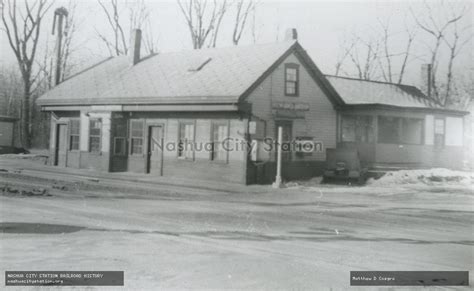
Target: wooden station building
(133, 113)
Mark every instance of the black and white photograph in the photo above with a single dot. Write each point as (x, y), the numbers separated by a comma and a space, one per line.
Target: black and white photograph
(236, 145)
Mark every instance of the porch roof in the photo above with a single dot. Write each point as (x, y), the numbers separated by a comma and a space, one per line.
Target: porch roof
(365, 92)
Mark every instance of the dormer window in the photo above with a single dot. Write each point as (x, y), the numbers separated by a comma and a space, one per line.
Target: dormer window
(291, 79)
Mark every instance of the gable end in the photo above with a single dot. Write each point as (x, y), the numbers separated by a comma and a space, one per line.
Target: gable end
(310, 67)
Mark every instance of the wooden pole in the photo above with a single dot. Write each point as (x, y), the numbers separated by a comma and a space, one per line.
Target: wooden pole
(277, 183)
(60, 14)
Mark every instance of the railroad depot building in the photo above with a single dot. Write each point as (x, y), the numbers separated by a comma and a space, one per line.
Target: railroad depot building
(140, 114)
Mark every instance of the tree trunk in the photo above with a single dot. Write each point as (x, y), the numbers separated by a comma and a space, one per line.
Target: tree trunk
(26, 122)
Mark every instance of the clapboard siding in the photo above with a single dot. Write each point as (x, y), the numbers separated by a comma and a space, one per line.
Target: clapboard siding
(319, 122)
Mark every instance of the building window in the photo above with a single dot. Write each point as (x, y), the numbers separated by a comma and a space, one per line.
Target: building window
(388, 129)
(186, 141)
(439, 132)
(95, 127)
(291, 80)
(357, 129)
(398, 130)
(74, 134)
(411, 131)
(220, 133)
(136, 137)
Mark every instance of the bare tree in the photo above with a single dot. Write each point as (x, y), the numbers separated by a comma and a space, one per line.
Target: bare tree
(22, 25)
(254, 24)
(364, 57)
(389, 60)
(138, 17)
(149, 39)
(242, 12)
(387, 56)
(203, 19)
(10, 88)
(215, 31)
(118, 45)
(463, 90)
(346, 48)
(455, 43)
(442, 30)
(411, 34)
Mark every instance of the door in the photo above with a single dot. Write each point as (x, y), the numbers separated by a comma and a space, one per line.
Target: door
(61, 145)
(155, 150)
(119, 160)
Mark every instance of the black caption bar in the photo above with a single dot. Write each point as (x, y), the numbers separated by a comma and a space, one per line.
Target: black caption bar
(409, 278)
(63, 278)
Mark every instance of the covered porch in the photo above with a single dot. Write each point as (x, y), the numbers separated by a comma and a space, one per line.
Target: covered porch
(402, 138)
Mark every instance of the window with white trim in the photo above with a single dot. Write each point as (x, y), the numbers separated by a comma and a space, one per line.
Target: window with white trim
(74, 134)
(136, 137)
(291, 79)
(439, 133)
(95, 130)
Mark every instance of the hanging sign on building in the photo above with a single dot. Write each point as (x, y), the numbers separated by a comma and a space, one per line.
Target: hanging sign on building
(293, 106)
(291, 110)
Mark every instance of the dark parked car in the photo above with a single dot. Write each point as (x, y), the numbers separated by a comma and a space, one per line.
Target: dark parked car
(344, 164)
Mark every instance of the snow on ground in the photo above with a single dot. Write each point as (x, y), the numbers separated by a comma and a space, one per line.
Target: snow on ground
(306, 236)
(36, 158)
(432, 177)
(239, 241)
(314, 182)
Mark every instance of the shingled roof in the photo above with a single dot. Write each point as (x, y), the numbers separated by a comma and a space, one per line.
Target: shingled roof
(195, 76)
(365, 92)
(215, 76)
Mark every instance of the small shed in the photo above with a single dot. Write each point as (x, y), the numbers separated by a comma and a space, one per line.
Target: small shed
(7, 125)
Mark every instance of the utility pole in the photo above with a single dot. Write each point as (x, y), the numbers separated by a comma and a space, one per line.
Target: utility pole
(277, 183)
(59, 15)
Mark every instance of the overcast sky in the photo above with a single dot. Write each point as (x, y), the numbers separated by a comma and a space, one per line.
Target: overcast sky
(322, 27)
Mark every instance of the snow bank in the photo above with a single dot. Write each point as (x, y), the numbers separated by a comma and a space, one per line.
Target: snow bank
(22, 156)
(436, 176)
(314, 182)
(43, 159)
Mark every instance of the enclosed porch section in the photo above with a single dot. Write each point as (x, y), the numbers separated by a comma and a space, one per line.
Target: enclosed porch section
(402, 138)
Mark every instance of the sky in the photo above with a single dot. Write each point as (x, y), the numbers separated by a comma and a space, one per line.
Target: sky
(323, 27)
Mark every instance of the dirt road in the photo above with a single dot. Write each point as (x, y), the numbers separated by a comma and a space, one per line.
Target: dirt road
(286, 239)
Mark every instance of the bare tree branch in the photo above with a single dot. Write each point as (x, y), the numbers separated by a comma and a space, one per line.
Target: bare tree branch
(439, 31)
(203, 19)
(241, 18)
(23, 36)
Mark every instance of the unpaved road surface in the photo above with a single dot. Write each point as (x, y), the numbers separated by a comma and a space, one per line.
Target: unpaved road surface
(165, 238)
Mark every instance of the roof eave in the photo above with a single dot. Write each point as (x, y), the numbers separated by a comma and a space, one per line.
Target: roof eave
(140, 101)
(395, 107)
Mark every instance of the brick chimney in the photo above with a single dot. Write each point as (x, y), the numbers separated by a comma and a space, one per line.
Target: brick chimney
(291, 34)
(426, 85)
(135, 44)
